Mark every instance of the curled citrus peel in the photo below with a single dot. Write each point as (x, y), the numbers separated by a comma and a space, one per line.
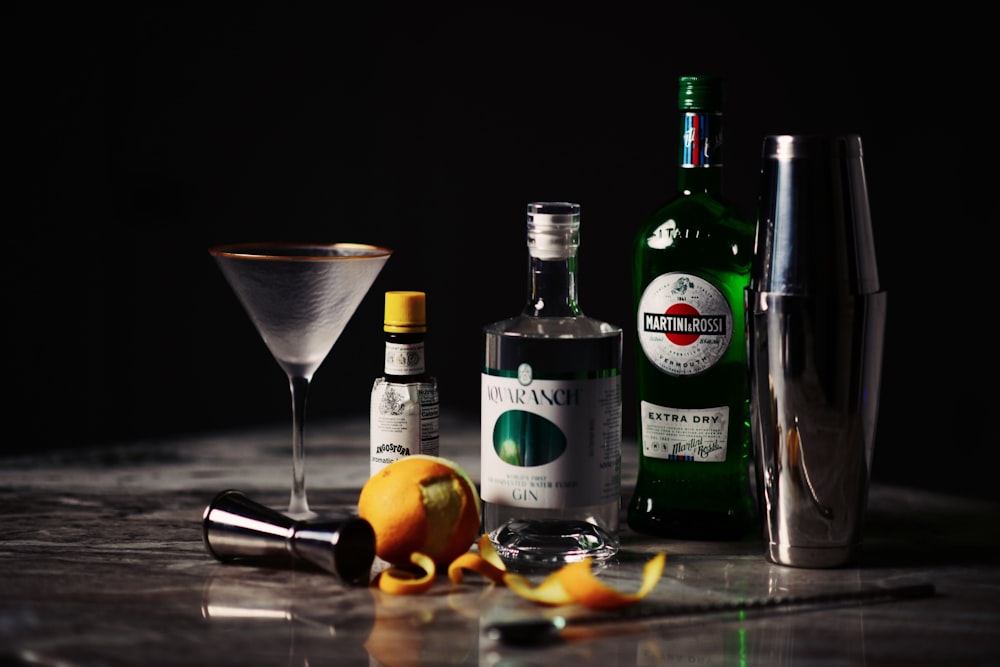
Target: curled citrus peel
(584, 588)
(572, 583)
(485, 563)
(397, 581)
(549, 592)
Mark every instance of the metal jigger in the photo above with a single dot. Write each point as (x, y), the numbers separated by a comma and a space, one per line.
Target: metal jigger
(236, 528)
(815, 330)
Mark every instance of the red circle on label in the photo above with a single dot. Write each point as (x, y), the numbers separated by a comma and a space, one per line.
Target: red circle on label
(682, 338)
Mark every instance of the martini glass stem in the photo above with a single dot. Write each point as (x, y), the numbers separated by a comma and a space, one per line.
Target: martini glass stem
(298, 506)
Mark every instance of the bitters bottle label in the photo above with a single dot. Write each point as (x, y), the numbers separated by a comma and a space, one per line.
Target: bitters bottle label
(404, 421)
(404, 359)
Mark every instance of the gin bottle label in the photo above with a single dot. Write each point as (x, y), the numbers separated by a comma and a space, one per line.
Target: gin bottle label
(549, 442)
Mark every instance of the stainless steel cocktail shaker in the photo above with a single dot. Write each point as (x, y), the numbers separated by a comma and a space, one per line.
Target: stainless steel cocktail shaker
(815, 329)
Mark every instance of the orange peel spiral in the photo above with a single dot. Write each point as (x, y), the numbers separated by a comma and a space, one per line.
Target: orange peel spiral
(398, 581)
(572, 583)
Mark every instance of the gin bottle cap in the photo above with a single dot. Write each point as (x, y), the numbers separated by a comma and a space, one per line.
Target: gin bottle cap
(553, 229)
(405, 312)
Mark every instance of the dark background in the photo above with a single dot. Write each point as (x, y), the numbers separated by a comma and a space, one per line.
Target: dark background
(138, 137)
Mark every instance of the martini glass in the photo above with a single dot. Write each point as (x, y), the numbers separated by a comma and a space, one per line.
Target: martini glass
(300, 297)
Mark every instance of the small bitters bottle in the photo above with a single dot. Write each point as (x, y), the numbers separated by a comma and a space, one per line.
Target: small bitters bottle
(404, 402)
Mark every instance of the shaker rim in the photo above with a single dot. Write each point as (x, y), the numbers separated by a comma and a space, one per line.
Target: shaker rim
(805, 146)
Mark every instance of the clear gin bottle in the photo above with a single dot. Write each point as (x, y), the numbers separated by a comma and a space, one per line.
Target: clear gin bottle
(552, 412)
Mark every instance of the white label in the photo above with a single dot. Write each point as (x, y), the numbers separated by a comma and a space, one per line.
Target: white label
(550, 444)
(404, 421)
(403, 359)
(684, 435)
(684, 324)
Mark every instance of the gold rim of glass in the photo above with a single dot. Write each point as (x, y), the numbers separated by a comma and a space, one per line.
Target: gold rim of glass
(283, 251)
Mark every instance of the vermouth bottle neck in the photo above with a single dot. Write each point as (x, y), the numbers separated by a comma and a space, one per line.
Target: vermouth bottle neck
(697, 180)
(699, 160)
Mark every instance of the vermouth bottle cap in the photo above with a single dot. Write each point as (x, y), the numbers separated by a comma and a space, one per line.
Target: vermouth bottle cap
(405, 312)
(702, 91)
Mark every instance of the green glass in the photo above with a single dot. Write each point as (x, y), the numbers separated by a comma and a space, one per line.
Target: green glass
(693, 254)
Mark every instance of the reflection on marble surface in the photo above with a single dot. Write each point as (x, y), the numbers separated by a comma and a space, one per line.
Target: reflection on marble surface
(102, 563)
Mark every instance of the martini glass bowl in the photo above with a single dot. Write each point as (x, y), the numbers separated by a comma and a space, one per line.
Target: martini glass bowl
(300, 297)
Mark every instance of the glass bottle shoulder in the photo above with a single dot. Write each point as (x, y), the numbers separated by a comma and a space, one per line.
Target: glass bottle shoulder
(698, 225)
(553, 327)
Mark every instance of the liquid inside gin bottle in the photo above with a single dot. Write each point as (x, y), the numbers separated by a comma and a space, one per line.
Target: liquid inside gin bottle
(551, 412)
(691, 262)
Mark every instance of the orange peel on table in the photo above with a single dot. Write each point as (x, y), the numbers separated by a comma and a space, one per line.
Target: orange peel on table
(397, 581)
(549, 592)
(485, 563)
(583, 587)
(572, 583)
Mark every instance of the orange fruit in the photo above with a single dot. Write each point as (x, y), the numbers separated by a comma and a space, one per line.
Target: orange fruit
(421, 504)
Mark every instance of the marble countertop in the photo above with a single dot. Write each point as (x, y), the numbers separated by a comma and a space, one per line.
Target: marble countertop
(102, 563)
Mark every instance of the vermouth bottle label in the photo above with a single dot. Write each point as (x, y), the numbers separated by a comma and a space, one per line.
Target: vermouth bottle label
(684, 435)
(550, 443)
(701, 144)
(684, 323)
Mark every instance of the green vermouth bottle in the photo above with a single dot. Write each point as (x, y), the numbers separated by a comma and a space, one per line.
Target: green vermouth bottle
(551, 412)
(691, 262)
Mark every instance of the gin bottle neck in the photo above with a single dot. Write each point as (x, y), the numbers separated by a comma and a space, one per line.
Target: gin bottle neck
(553, 287)
(553, 239)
